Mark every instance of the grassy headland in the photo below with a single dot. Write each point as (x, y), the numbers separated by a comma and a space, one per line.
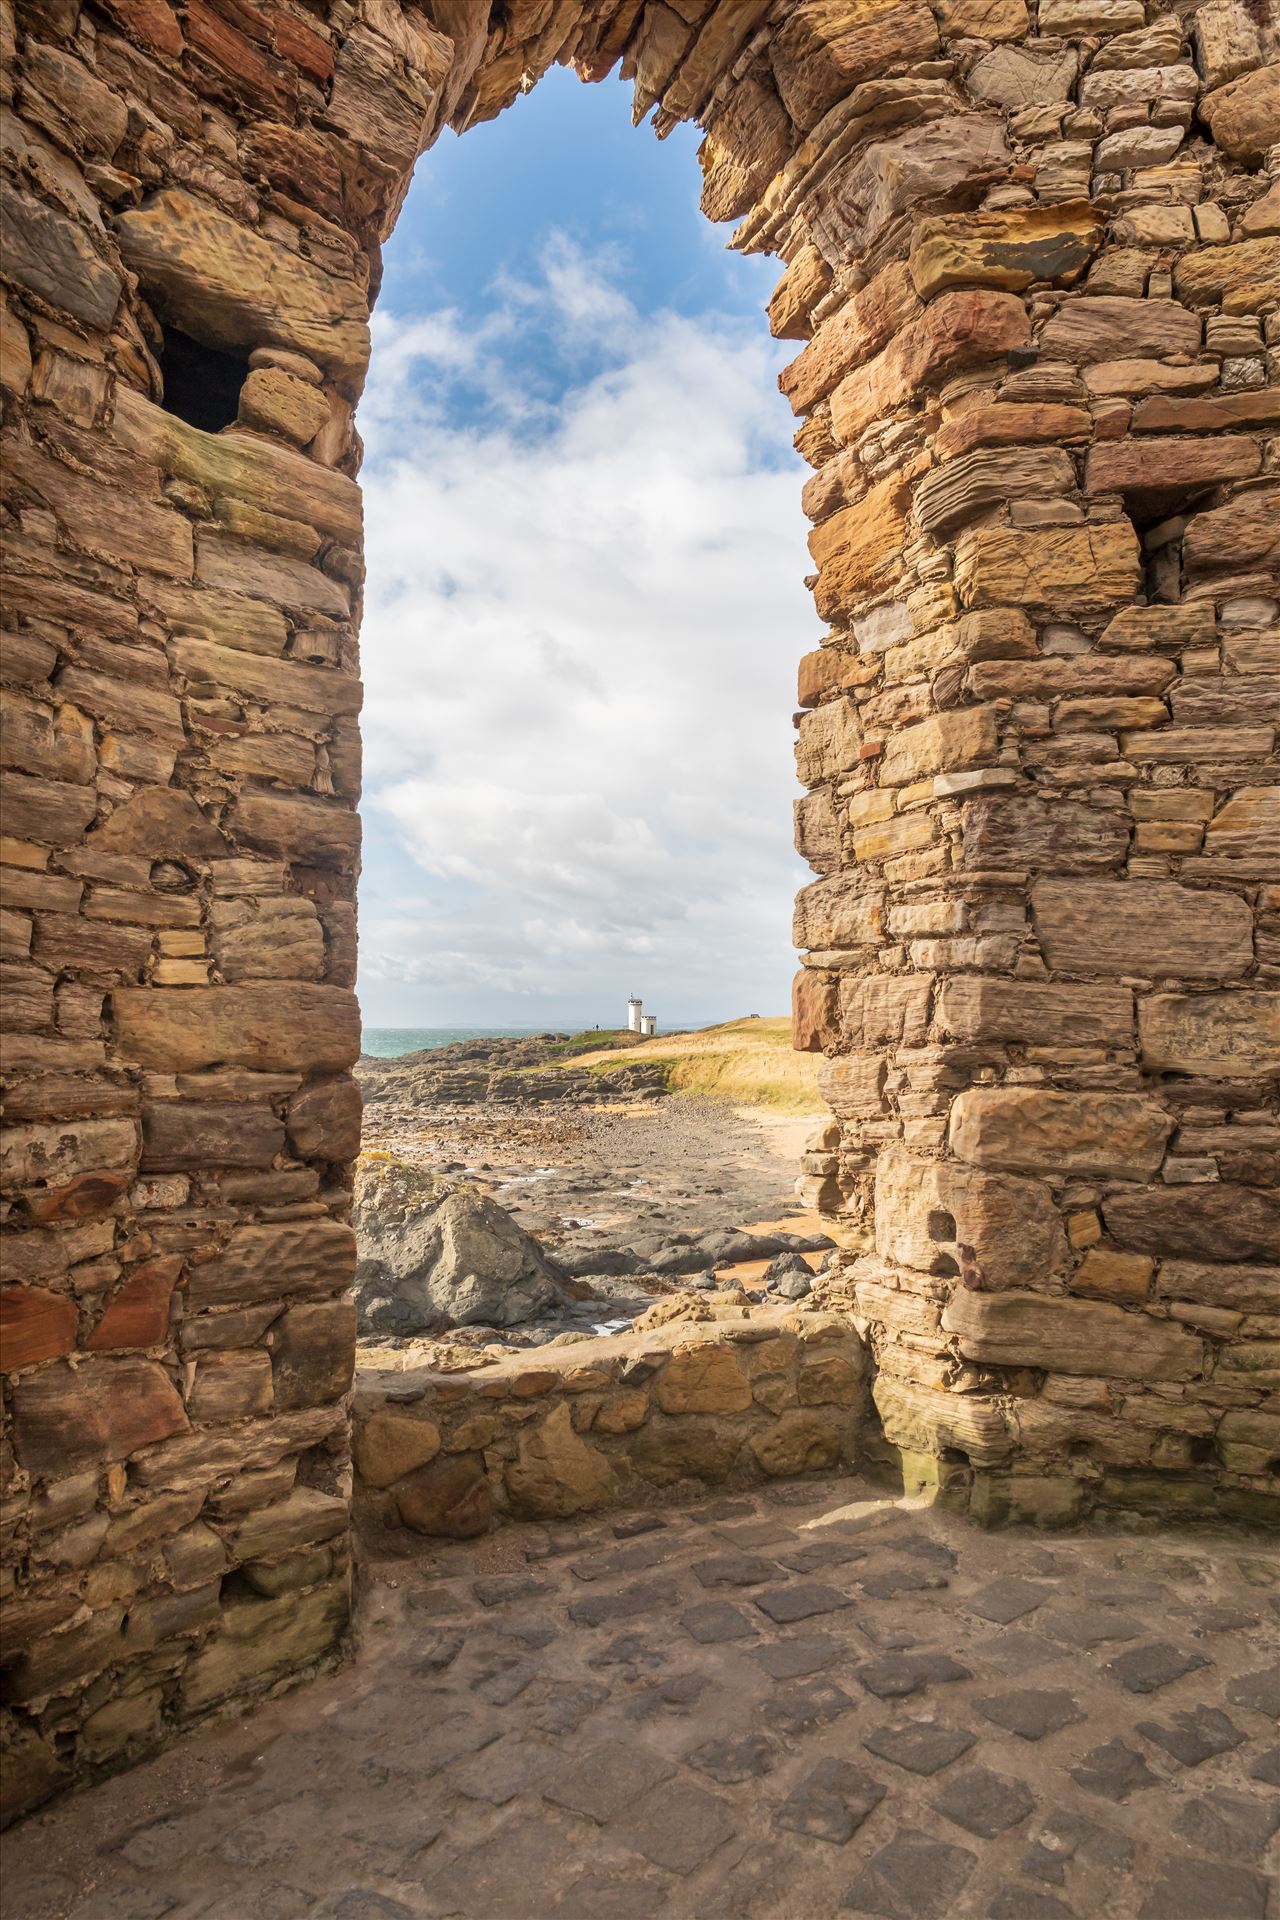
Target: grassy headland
(748, 1062)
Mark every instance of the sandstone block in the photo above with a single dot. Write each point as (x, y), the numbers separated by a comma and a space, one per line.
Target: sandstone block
(1036, 1130)
(858, 547)
(1243, 278)
(54, 1153)
(1071, 1336)
(1008, 249)
(305, 828)
(1108, 1275)
(268, 939)
(930, 1421)
(387, 1445)
(102, 1410)
(304, 1517)
(323, 1119)
(956, 154)
(259, 1639)
(297, 1028)
(885, 1009)
(1244, 115)
(35, 1325)
(230, 1386)
(926, 1209)
(833, 1381)
(962, 489)
(703, 1379)
(1156, 464)
(1026, 1013)
(223, 283)
(137, 1315)
(278, 402)
(815, 1011)
(449, 1498)
(828, 742)
(685, 1450)
(965, 737)
(860, 328)
(821, 51)
(1215, 1221)
(1115, 327)
(798, 1443)
(1027, 76)
(1057, 568)
(54, 258)
(182, 1134)
(853, 1086)
(960, 329)
(313, 1350)
(1143, 927)
(557, 1473)
(1053, 836)
(1228, 1034)
(302, 1258)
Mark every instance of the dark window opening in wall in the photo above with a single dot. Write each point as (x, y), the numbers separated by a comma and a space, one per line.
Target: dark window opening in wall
(201, 384)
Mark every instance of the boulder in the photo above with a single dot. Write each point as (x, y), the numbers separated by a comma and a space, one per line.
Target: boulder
(433, 1255)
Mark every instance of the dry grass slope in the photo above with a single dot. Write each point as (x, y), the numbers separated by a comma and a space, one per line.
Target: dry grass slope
(749, 1062)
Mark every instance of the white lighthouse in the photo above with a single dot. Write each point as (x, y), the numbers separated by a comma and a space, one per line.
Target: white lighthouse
(634, 1015)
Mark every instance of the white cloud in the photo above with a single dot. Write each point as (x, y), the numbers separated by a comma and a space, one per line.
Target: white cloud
(583, 615)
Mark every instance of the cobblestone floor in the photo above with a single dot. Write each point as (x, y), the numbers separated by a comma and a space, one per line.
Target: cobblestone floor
(783, 1707)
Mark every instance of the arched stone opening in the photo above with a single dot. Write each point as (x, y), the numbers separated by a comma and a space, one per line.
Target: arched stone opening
(1034, 266)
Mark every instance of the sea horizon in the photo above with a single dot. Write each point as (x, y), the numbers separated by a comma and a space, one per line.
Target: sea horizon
(387, 1043)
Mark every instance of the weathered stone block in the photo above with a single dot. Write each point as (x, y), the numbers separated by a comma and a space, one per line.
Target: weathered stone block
(313, 1352)
(857, 548)
(1008, 249)
(323, 1119)
(828, 742)
(1142, 927)
(1071, 1336)
(1216, 1221)
(302, 1258)
(100, 1411)
(821, 50)
(1056, 569)
(703, 1379)
(297, 1028)
(961, 328)
(35, 1325)
(449, 1498)
(226, 284)
(557, 1473)
(137, 1315)
(798, 1443)
(926, 1208)
(1027, 1013)
(1037, 1130)
(966, 737)
(388, 1445)
(230, 1386)
(182, 1134)
(258, 1639)
(1231, 1034)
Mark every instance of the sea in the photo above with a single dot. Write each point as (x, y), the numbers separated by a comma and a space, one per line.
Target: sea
(386, 1043)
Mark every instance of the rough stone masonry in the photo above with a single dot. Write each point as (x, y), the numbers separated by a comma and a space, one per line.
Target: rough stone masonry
(1034, 261)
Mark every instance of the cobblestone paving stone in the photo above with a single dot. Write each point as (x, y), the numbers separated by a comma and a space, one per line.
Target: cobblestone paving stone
(810, 1702)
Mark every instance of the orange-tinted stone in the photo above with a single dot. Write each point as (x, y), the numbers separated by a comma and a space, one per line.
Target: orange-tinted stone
(35, 1325)
(815, 1011)
(139, 1314)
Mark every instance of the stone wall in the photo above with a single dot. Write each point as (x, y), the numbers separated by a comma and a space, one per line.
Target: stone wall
(615, 1422)
(1033, 265)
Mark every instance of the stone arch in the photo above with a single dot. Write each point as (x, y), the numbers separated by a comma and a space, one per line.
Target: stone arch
(1033, 268)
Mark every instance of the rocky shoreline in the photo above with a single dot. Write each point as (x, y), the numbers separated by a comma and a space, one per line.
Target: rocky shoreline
(506, 1200)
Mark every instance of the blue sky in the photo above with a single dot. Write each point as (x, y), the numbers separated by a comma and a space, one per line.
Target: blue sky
(585, 597)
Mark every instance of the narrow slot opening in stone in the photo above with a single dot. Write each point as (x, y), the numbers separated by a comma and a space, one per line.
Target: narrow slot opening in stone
(201, 384)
